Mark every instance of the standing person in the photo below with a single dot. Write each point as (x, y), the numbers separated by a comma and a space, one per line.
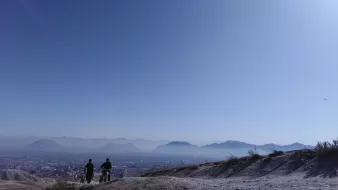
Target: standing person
(89, 171)
(106, 167)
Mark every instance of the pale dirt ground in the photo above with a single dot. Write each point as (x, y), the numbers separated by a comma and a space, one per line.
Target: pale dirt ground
(264, 183)
(14, 185)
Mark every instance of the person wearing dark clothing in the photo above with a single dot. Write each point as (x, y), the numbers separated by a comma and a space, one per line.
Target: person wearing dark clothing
(106, 167)
(89, 171)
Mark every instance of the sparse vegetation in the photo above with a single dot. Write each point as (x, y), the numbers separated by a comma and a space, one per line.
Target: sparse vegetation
(267, 159)
(194, 167)
(87, 188)
(4, 176)
(275, 153)
(306, 154)
(232, 160)
(326, 146)
(327, 149)
(254, 156)
(252, 152)
(62, 185)
(16, 177)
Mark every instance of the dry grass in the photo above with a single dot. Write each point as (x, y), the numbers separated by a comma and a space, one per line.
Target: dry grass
(275, 153)
(254, 156)
(327, 150)
(231, 161)
(267, 159)
(194, 167)
(327, 147)
(61, 185)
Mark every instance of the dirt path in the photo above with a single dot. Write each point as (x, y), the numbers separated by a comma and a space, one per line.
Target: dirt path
(264, 183)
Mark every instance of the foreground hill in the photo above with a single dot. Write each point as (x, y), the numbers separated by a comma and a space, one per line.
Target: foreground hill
(16, 179)
(175, 183)
(301, 170)
(278, 163)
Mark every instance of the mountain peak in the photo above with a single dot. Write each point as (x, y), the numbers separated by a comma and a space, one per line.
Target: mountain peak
(296, 144)
(232, 142)
(179, 143)
(115, 147)
(44, 145)
(121, 139)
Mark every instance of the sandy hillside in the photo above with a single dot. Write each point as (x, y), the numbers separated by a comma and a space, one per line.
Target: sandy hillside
(282, 164)
(19, 180)
(175, 183)
(294, 170)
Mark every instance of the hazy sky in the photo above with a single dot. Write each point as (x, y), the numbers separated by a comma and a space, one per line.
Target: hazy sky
(256, 71)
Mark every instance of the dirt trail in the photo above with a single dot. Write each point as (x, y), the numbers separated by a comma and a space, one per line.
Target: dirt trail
(263, 183)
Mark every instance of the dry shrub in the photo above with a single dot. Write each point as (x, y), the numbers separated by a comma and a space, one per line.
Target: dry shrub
(276, 153)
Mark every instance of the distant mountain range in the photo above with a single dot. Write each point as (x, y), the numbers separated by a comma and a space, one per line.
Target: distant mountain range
(267, 147)
(230, 144)
(177, 147)
(10, 142)
(119, 148)
(44, 145)
(226, 148)
(122, 145)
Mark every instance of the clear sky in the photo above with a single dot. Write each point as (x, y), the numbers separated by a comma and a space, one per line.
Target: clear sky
(255, 71)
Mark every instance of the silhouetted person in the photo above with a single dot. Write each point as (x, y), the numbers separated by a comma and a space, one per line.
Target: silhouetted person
(89, 171)
(106, 167)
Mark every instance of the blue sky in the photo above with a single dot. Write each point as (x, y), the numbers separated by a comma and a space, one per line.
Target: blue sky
(255, 71)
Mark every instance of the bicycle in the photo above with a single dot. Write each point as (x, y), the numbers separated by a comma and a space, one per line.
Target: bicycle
(104, 175)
